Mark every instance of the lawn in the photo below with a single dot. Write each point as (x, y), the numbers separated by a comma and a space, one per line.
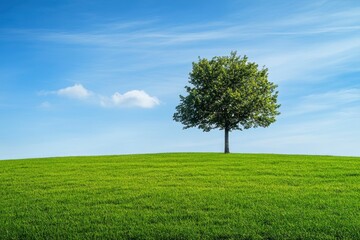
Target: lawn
(181, 196)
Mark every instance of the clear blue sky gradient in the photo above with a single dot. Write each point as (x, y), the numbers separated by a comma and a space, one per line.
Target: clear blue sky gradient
(312, 50)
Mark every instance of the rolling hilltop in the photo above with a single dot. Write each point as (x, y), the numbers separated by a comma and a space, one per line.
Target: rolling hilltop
(181, 196)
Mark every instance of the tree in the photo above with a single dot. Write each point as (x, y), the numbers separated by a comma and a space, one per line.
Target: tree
(228, 93)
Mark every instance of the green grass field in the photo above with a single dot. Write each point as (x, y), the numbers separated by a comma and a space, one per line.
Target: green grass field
(181, 196)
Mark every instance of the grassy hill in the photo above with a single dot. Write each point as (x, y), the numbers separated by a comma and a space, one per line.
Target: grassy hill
(181, 196)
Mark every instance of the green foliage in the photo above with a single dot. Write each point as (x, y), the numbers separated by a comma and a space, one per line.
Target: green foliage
(228, 93)
(181, 196)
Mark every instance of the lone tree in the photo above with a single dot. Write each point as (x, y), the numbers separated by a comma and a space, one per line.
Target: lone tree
(228, 93)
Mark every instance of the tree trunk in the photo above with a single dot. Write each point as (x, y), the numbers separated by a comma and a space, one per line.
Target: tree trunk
(226, 141)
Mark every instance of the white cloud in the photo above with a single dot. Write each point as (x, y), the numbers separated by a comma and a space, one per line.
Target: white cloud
(76, 91)
(133, 98)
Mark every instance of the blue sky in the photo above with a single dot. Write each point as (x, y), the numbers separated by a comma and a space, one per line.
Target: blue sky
(86, 77)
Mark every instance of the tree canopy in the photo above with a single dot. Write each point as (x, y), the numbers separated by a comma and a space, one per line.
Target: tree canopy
(228, 93)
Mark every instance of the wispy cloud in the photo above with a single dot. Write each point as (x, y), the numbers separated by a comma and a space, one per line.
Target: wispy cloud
(331, 39)
(333, 100)
(140, 38)
(335, 132)
(116, 25)
(315, 17)
(313, 61)
(45, 105)
(331, 36)
(146, 33)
